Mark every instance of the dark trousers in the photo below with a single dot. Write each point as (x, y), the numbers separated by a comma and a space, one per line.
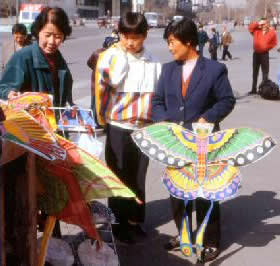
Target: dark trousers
(213, 230)
(127, 161)
(260, 60)
(226, 52)
(201, 47)
(213, 54)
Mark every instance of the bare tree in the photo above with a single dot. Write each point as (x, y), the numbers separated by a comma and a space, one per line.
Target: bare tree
(261, 8)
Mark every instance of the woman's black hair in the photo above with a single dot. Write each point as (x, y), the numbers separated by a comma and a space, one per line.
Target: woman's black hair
(55, 16)
(184, 30)
(133, 22)
(19, 28)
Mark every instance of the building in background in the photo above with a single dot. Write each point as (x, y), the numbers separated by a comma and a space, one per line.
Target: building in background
(96, 8)
(184, 7)
(119, 7)
(68, 5)
(89, 9)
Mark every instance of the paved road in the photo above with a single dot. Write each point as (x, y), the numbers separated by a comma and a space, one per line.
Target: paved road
(250, 221)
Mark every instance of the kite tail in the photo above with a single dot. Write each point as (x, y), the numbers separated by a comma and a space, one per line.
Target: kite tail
(201, 231)
(185, 236)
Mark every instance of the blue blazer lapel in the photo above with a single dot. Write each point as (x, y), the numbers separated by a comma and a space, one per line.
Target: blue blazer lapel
(177, 80)
(197, 76)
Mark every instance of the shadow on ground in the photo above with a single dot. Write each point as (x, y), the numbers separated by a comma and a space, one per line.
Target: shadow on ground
(245, 222)
(158, 212)
(256, 231)
(152, 253)
(253, 211)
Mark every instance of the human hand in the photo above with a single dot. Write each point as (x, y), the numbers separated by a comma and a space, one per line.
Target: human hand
(13, 94)
(202, 120)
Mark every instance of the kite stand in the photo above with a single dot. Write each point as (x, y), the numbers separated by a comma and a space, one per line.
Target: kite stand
(73, 123)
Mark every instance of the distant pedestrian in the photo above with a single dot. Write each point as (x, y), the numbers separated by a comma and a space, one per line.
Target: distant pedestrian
(20, 39)
(202, 39)
(265, 39)
(226, 41)
(213, 44)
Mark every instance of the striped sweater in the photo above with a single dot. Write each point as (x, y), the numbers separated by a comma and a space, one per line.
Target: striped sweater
(124, 87)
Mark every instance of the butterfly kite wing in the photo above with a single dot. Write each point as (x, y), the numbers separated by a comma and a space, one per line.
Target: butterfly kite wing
(167, 143)
(240, 146)
(181, 183)
(22, 129)
(95, 179)
(221, 183)
(98, 181)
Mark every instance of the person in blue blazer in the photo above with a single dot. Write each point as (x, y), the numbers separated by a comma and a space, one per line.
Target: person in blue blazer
(192, 89)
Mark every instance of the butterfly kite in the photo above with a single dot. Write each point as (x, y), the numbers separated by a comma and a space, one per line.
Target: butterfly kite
(201, 164)
(68, 176)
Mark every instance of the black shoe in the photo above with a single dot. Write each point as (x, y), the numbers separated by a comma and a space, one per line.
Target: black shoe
(173, 244)
(122, 234)
(252, 93)
(137, 230)
(209, 254)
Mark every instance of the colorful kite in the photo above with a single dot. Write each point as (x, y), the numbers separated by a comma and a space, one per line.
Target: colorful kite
(70, 177)
(30, 132)
(201, 164)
